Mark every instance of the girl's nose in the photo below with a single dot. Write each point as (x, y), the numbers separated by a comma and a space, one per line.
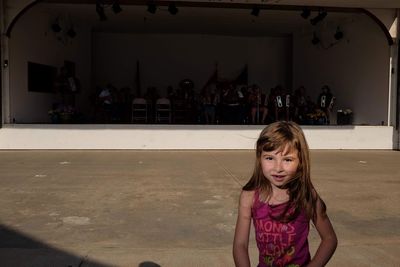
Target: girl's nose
(279, 166)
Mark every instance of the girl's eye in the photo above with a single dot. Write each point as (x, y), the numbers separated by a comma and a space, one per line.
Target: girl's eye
(288, 160)
(268, 158)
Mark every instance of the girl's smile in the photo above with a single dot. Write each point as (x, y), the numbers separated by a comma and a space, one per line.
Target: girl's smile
(278, 178)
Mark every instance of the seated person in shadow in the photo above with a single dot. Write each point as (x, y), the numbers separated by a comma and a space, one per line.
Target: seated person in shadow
(106, 100)
(326, 101)
(209, 101)
(151, 96)
(300, 105)
(258, 110)
(230, 103)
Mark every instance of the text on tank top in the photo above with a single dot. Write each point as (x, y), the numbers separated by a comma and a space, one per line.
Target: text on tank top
(279, 244)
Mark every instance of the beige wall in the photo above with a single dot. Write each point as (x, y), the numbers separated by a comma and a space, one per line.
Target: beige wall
(166, 59)
(356, 68)
(32, 40)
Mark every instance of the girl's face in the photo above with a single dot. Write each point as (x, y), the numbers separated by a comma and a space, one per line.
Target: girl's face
(279, 166)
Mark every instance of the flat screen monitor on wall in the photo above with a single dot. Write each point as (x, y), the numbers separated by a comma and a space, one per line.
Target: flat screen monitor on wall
(41, 78)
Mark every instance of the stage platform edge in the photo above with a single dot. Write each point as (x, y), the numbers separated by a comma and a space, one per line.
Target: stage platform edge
(159, 136)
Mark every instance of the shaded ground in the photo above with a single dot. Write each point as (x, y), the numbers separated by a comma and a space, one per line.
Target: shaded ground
(178, 208)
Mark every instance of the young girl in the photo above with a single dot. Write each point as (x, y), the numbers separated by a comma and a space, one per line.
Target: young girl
(281, 200)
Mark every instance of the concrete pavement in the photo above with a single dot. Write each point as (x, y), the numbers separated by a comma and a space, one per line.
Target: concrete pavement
(178, 208)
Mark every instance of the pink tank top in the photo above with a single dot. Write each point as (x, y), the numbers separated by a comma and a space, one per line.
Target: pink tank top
(280, 244)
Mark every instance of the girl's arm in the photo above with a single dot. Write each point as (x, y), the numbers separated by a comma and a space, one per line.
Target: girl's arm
(242, 231)
(328, 238)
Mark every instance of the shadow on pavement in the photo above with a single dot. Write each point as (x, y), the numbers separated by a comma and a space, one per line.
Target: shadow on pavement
(17, 249)
(149, 264)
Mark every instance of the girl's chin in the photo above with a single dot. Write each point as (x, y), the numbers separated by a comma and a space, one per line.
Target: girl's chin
(278, 184)
(280, 180)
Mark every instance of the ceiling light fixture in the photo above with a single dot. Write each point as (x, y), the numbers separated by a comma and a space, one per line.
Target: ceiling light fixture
(305, 13)
(151, 8)
(172, 9)
(116, 7)
(315, 40)
(71, 32)
(321, 15)
(255, 11)
(100, 11)
(338, 34)
(56, 27)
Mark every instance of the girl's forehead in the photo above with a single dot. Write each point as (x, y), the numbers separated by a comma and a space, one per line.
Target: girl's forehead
(285, 150)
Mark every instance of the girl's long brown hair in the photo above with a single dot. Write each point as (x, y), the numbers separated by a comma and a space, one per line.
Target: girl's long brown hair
(302, 196)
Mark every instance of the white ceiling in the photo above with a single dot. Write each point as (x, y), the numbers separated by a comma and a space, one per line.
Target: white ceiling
(208, 20)
(330, 3)
(337, 3)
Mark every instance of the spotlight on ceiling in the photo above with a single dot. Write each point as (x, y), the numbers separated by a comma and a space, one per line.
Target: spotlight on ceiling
(71, 32)
(172, 9)
(255, 11)
(100, 12)
(56, 27)
(321, 15)
(151, 8)
(305, 13)
(116, 7)
(315, 40)
(338, 34)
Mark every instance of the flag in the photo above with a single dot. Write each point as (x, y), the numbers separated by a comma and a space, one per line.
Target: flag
(242, 78)
(137, 80)
(213, 78)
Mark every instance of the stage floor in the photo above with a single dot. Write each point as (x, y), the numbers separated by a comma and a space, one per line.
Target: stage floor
(178, 208)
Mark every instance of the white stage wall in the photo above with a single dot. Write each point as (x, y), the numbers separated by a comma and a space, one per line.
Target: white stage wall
(182, 137)
(166, 59)
(33, 40)
(356, 68)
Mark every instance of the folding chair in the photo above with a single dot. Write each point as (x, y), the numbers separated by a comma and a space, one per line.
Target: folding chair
(179, 111)
(163, 110)
(139, 110)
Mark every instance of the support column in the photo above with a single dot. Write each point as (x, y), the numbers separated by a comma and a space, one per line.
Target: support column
(4, 65)
(396, 87)
(393, 73)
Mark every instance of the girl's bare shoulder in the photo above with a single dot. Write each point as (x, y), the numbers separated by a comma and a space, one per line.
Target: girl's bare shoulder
(247, 198)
